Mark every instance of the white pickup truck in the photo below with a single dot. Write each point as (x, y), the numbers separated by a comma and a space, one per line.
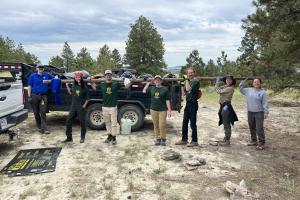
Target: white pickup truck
(12, 110)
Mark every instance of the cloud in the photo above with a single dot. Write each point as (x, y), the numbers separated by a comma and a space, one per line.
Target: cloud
(43, 26)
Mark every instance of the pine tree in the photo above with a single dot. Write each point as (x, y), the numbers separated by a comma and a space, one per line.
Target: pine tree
(117, 58)
(56, 61)
(68, 57)
(145, 48)
(84, 61)
(195, 61)
(105, 59)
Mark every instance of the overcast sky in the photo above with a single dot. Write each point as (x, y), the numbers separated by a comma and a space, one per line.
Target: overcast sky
(42, 26)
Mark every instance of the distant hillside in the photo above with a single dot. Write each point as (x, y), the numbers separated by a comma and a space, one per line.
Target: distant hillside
(174, 68)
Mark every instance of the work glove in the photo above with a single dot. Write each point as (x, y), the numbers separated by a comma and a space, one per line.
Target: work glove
(185, 77)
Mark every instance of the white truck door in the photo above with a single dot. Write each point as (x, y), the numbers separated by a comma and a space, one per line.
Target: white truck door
(11, 92)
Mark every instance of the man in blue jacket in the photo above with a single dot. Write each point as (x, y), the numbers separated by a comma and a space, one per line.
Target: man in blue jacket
(37, 97)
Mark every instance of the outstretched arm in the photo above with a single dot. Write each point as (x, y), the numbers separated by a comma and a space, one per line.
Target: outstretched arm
(146, 87)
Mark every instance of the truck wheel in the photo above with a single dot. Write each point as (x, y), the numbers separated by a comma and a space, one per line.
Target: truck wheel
(94, 117)
(134, 113)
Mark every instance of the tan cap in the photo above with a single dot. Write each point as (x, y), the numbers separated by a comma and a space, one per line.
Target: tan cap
(107, 71)
(157, 76)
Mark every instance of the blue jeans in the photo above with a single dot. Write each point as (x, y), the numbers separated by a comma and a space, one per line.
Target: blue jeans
(190, 114)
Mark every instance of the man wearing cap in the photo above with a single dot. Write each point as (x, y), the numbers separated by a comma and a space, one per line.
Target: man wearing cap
(109, 90)
(37, 97)
(191, 90)
(160, 108)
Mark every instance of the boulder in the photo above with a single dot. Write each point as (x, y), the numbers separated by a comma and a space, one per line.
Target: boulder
(170, 155)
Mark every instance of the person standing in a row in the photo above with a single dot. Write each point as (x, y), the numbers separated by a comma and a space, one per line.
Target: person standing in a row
(109, 90)
(160, 108)
(79, 92)
(191, 90)
(227, 115)
(258, 110)
(37, 97)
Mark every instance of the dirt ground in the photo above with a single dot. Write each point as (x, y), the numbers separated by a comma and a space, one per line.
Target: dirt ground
(133, 169)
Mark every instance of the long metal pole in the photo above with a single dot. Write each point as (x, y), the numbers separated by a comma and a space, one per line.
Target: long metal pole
(142, 80)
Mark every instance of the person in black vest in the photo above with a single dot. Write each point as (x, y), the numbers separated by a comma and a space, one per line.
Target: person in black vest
(37, 97)
(79, 93)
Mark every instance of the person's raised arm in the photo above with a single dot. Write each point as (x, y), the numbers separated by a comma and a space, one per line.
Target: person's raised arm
(146, 87)
(243, 90)
(128, 84)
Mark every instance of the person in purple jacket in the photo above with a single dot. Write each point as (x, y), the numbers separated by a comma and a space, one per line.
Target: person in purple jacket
(258, 110)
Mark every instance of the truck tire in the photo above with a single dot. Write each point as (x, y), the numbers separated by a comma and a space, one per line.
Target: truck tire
(134, 113)
(94, 117)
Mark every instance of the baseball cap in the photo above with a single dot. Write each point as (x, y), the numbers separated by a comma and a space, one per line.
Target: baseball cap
(39, 66)
(107, 72)
(158, 76)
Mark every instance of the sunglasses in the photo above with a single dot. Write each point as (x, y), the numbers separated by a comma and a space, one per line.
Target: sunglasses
(108, 75)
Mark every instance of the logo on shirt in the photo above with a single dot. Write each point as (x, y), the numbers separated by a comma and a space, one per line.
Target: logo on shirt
(77, 92)
(108, 90)
(156, 95)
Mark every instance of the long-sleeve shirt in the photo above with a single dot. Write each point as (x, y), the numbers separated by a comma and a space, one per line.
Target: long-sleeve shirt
(226, 92)
(257, 100)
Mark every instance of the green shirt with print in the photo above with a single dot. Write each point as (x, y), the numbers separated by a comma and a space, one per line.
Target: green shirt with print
(110, 93)
(193, 94)
(158, 98)
(79, 95)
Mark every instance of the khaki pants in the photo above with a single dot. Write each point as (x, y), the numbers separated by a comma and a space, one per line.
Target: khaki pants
(159, 122)
(110, 119)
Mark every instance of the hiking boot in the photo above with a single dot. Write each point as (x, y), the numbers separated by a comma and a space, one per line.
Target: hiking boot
(192, 144)
(163, 142)
(252, 143)
(181, 142)
(157, 142)
(225, 143)
(108, 139)
(46, 132)
(82, 140)
(260, 147)
(113, 140)
(67, 140)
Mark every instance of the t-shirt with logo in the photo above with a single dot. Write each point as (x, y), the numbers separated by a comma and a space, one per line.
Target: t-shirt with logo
(79, 95)
(193, 94)
(110, 93)
(158, 98)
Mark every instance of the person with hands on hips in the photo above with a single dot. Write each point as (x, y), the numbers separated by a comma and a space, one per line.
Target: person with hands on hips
(160, 108)
(79, 93)
(258, 110)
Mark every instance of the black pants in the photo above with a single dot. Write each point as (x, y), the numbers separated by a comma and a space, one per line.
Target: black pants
(256, 125)
(79, 111)
(39, 107)
(190, 114)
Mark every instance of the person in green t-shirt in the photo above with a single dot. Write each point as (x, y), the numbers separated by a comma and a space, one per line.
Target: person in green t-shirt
(191, 91)
(160, 108)
(109, 90)
(79, 94)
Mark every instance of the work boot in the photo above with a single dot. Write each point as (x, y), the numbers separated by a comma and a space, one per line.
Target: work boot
(192, 144)
(225, 142)
(157, 142)
(109, 138)
(113, 140)
(82, 140)
(260, 146)
(46, 132)
(68, 140)
(163, 142)
(181, 142)
(252, 143)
